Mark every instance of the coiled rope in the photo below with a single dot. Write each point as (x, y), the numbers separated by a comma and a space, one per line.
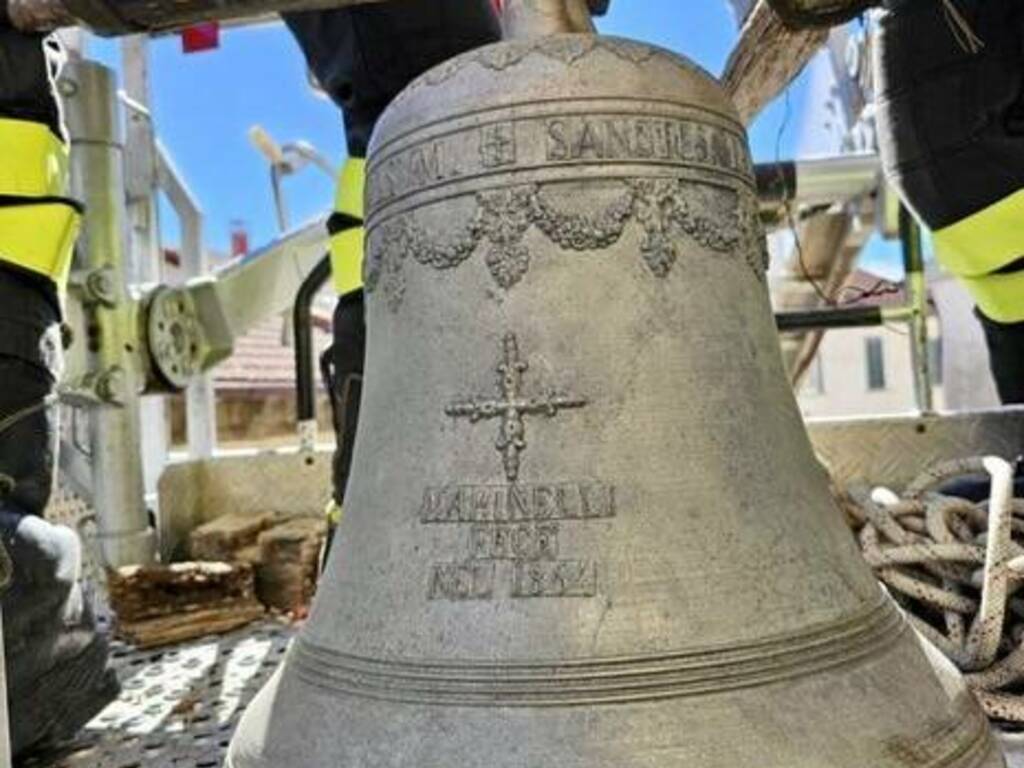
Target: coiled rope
(955, 567)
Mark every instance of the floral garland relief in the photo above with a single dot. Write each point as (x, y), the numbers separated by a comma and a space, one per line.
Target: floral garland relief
(721, 220)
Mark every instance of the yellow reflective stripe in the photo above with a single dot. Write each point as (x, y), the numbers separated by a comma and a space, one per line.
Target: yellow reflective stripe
(999, 297)
(349, 196)
(347, 260)
(40, 237)
(986, 241)
(33, 162)
(347, 246)
(333, 512)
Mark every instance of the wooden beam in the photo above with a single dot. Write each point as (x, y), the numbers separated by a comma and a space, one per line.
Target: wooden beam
(122, 17)
(766, 59)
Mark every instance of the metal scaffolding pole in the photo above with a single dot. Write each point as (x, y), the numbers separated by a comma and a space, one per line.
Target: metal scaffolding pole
(144, 252)
(200, 405)
(125, 535)
(917, 297)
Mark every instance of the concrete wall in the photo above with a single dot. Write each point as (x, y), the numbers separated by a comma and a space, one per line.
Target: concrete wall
(254, 416)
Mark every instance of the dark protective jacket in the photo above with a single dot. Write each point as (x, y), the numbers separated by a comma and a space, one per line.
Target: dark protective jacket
(363, 56)
(33, 171)
(951, 128)
(32, 175)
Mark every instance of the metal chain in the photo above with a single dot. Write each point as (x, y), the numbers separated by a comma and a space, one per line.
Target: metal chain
(955, 567)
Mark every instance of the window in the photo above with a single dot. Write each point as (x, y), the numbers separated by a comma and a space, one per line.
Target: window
(814, 381)
(935, 360)
(875, 363)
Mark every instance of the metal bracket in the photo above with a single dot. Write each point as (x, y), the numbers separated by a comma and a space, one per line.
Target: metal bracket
(192, 328)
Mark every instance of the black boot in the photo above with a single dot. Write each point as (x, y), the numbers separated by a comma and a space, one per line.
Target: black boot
(58, 676)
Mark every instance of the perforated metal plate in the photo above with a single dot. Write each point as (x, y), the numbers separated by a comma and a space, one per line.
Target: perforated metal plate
(893, 450)
(179, 705)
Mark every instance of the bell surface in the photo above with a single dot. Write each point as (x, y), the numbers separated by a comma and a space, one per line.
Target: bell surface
(586, 528)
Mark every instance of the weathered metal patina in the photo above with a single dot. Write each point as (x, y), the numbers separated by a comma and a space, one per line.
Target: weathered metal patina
(586, 528)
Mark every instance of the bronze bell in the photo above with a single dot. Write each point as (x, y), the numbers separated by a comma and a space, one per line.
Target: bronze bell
(585, 527)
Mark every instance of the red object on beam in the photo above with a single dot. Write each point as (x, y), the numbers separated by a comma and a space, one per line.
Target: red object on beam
(239, 239)
(200, 37)
(497, 6)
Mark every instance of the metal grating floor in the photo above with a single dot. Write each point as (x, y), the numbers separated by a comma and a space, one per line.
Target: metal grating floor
(179, 705)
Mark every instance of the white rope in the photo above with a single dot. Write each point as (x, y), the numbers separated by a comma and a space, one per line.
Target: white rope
(926, 548)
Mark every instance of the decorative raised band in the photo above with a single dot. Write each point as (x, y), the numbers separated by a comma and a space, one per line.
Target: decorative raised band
(601, 681)
(720, 219)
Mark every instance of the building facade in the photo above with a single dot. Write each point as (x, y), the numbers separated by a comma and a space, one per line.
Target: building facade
(869, 371)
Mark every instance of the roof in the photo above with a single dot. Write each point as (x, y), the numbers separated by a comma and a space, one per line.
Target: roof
(262, 361)
(866, 289)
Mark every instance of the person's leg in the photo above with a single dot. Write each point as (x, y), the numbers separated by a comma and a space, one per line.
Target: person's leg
(56, 663)
(951, 127)
(342, 366)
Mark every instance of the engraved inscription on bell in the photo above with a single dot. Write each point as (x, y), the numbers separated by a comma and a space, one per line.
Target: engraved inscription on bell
(614, 137)
(512, 542)
(462, 581)
(519, 503)
(687, 140)
(565, 578)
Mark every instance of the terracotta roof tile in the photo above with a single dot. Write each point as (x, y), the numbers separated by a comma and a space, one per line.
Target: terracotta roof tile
(262, 361)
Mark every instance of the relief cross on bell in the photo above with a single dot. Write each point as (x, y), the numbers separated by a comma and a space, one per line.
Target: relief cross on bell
(511, 406)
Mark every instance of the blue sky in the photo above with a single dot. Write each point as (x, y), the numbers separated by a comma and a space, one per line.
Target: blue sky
(205, 103)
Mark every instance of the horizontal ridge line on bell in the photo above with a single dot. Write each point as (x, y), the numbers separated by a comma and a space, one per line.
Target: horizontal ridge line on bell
(549, 174)
(696, 177)
(878, 619)
(609, 681)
